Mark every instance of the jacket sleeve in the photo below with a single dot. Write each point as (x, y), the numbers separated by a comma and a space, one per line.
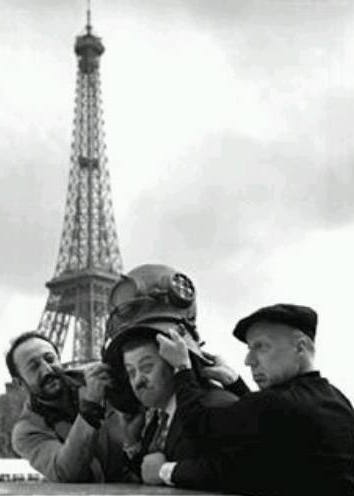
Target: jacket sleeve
(220, 472)
(198, 473)
(239, 387)
(59, 462)
(240, 420)
(225, 471)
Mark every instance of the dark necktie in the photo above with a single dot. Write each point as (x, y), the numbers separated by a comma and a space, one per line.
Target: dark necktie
(159, 437)
(153, 439)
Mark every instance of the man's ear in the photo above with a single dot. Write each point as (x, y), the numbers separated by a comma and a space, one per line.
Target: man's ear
(301, 345)
(18, 381)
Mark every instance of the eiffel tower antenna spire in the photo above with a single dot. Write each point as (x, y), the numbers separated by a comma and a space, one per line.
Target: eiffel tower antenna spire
(89, 261)
(88, 16)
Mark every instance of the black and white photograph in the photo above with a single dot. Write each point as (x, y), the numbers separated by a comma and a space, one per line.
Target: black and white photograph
(177, 245)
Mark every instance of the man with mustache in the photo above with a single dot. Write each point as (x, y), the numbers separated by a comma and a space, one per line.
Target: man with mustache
(294, 436)
(149, 300)
(65, 430)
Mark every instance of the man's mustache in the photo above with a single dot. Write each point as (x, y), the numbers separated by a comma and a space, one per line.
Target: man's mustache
(142, 385)
(48, 378)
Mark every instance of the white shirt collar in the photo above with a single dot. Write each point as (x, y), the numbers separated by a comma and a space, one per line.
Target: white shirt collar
(171, 408)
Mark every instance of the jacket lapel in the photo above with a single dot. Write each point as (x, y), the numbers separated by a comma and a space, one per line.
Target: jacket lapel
(173, 437)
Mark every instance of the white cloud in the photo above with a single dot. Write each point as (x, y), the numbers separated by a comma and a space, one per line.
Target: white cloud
(20, 312)
(229, 145)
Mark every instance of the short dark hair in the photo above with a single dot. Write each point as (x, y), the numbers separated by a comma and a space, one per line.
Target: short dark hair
(16, 343)
(138, 341)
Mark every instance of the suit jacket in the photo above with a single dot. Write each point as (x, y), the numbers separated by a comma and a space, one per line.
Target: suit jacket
(181, 444)
(65, 448)
(291, 439)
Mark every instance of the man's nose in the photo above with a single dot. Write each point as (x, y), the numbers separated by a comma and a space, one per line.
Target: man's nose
(45, 367)
(250, 359)
(140, 380)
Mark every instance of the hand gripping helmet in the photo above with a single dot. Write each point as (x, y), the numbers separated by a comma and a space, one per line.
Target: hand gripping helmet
(147, 300)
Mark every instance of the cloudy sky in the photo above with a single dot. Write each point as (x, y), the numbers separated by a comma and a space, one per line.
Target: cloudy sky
(231, 152)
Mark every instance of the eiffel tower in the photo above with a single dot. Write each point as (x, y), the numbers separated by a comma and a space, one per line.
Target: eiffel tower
(89, 261)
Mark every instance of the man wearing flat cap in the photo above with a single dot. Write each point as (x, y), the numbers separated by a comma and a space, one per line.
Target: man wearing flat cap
(295, 436)
(154, 300)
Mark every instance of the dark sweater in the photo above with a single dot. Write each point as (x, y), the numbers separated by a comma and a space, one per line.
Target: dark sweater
(293, 438)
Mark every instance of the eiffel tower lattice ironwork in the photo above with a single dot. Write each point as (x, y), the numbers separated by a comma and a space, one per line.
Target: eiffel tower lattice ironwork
(89, 261)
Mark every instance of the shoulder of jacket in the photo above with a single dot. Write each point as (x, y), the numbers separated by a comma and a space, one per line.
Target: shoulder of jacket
(268, 400)
(217, 396)
(29, 420)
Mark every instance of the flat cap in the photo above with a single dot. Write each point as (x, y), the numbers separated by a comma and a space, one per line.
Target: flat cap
(297, 316)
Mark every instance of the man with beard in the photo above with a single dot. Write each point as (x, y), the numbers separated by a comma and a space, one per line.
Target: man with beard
(65, 430)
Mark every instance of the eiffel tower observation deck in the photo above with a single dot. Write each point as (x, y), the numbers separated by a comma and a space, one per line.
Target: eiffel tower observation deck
(89, 261)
